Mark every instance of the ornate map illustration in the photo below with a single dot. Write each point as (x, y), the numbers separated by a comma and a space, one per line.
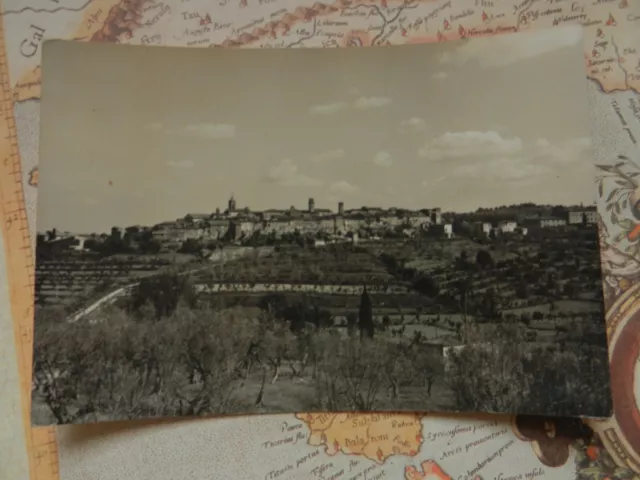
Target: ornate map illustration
(346, 446)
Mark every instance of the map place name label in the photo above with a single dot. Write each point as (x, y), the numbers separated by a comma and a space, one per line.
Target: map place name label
(151, 39)
(534, 15)
(278, 472)
(522, 5)
(568, 18)
(352, 442)
(289, 428)
(457, 430)
(358, 421)
(196, 32)
(308, 456)
(248, 26)
(436, 11)
(164, 9)
(450, 453)
(190, 15)
(480, 465)
(94, 18)
(465, 13)
(290, 439)
(29, 46)
(403, 423)
(485, 439)
(536, 472)
(623, 121)
(369, 473)
(322, 474)
(634, 106)
(333, 23)
(356, 13)
(319, 470)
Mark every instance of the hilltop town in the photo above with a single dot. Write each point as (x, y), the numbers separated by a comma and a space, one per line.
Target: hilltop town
(316, 226)
(282, 294)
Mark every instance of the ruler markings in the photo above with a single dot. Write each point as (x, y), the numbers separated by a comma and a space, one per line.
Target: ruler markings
(42, 448)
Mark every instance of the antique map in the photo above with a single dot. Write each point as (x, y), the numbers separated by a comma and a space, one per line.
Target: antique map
(345, 446)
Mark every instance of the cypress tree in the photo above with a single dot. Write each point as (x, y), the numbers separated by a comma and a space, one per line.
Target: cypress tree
(365, 315)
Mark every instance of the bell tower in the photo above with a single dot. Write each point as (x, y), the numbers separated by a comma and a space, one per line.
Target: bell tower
(312, 205)
(232, 204)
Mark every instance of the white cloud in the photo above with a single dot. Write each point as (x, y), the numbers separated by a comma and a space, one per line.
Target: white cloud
(414, 124)
(209, 130)
(536, 159)
(505, 49)
(501, 169)
(440, 76)
(343, 187)
(469, 144)
(180, 163)
(327, 109)
(328, 156)
(372, 102)
(432, 182)
(383, 159)
(362, 102)
(200, 130)
(286, 174)
(573, 150)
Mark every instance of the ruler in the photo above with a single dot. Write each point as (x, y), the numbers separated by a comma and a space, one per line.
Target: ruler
(41, 442)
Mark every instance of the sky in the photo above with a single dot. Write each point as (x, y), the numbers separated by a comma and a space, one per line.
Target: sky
(139, 135)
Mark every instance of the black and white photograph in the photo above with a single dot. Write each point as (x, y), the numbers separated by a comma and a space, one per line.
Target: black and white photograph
(248, 231)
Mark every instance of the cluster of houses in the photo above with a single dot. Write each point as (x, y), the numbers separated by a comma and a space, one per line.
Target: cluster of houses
(583, 215)
(235, 224)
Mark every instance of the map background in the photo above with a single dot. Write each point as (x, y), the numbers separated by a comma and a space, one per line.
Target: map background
(232, 448)
(14, 462)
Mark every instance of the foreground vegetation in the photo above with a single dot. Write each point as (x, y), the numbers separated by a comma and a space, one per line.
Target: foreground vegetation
(197, 361)
(169, 351)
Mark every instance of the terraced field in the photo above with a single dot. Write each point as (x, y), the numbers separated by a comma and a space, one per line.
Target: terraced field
(63, 281)
(332, 265)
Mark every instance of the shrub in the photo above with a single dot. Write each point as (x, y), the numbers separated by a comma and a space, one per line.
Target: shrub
(506, 375)
(186, 364)
(162, 294)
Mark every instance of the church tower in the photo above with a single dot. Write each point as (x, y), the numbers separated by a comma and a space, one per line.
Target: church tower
(232, 204)
(312, 205)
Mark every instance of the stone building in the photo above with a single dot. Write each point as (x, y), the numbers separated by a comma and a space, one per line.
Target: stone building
(236, 223)
(587, 215)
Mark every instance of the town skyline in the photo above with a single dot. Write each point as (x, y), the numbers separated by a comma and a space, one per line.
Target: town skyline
(319, 209)
(419, 134)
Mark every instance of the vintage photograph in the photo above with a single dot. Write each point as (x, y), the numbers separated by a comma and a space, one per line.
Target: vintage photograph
(228, 231)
